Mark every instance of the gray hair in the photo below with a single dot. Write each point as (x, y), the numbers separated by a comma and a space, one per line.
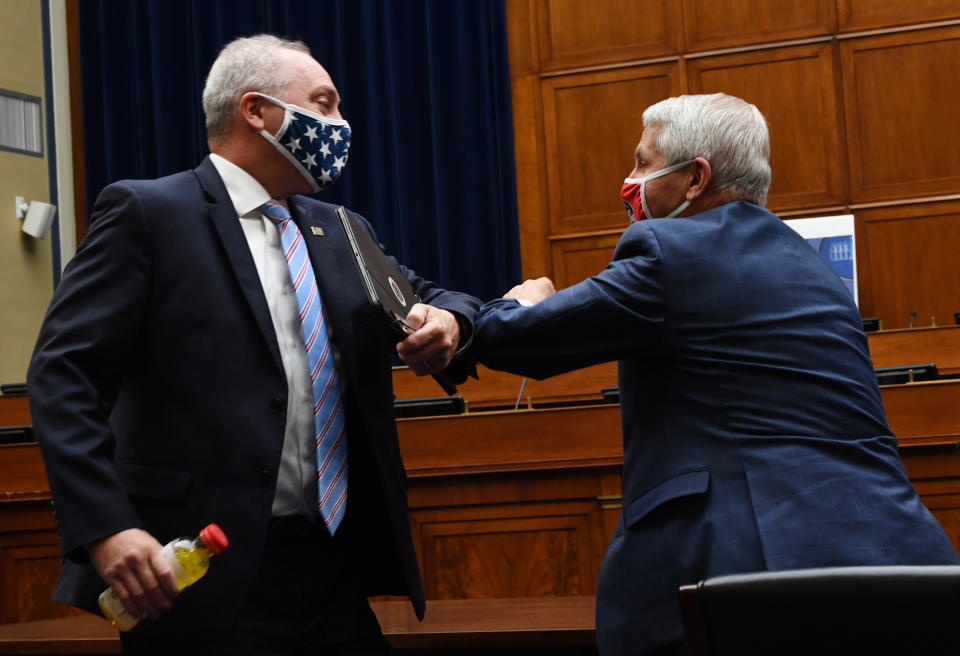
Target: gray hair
(247, 64)
(728, 132)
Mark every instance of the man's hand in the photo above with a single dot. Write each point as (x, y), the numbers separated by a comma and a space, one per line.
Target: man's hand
(434, 341)
(532, 291)
(131, 563)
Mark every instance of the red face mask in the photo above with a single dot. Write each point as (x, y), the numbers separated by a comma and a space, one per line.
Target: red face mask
(634, 198)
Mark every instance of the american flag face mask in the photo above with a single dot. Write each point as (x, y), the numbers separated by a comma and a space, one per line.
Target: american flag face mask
(316, 145)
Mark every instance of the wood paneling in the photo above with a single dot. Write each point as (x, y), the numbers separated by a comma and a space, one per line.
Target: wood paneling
(853, 15)
(528, 138)
(900, 93)
(923, 413)
(540, 621)
(579, 258)
(83, 634)
(941, 345)
(29, 560)
(859, 96)
(576, 33)
(494, 514)
(491, 442)
(908, 263)
(493, 511)
(935, 473)
(36, 569)
(515, 550)
(712, 24)
(592, 123)
(14, 410)
(500, 390)
(499, 626)
(23, 474)
(796, 91)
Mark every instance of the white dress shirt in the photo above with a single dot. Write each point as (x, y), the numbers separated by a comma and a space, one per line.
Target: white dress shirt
(296, 491)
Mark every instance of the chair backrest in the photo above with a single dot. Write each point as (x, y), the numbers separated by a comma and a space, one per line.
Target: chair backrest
(835, 610)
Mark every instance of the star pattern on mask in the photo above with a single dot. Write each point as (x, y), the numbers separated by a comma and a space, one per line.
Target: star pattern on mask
(320, 148)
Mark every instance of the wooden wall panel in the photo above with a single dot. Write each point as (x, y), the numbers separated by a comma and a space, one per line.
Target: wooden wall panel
(923, 413)
(36, 569)
(29, 560)
(712, 24)
(940, 345)
(795, 90)
(14, 410)
(855, 15)
(577, 33)
(528, 137)
(909, 263)
(859, 94)
(901, 92)
(935, 473)
(592, 123)
(579, 258)
(522, 550)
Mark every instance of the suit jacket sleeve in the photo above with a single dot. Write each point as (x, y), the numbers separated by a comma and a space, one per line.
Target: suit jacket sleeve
(74, 375)
(463, 305)
(617, 314)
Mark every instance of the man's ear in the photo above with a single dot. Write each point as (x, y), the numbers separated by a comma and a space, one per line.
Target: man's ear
(699, 178)
(252, 106)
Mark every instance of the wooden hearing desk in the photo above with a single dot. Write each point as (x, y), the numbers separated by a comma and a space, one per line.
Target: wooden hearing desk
(507, 505)
(888, 348)
(564, 624)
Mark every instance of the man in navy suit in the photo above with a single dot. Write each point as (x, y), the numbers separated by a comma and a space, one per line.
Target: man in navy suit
(171, 385)
(753, 432)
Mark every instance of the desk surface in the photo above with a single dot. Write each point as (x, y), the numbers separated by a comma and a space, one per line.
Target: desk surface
(517, 622)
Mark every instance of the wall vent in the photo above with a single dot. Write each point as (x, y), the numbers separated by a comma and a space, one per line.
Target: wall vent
(21, 123)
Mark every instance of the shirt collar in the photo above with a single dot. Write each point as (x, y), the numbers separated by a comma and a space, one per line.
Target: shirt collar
(245, 192)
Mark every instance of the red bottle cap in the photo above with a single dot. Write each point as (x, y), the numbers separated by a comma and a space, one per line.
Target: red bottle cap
(213, 538)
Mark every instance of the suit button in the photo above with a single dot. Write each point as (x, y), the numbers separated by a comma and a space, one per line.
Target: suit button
(277, 405)
(265, 475)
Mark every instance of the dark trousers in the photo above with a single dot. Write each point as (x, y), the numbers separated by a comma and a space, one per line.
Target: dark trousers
(304, 600)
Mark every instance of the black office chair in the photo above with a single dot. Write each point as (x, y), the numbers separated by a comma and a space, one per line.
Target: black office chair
(835, 610)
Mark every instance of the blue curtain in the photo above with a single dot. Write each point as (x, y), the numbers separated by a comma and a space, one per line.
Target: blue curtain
(424, 84)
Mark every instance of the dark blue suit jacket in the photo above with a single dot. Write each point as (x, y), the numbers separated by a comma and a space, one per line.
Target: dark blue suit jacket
(753, 432)
(159, 397)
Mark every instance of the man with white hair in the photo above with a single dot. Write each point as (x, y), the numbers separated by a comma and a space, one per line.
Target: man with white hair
(210, 355)
(754, 436)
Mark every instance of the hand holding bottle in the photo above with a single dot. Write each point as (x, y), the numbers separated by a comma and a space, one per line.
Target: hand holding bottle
(131, 562)
(137, 562)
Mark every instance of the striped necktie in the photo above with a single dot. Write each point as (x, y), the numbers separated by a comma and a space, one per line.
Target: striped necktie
(328, 414)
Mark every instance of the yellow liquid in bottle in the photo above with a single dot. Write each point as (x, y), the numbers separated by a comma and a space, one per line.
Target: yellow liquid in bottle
(189, 563)
(193, 562)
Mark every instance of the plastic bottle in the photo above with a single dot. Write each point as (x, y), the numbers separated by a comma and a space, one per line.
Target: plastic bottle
(188, 557)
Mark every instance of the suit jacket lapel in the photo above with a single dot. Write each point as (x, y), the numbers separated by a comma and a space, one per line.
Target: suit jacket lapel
(337, 279)
(235, 245)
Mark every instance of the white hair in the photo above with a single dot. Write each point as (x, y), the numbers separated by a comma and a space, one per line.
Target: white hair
(246, 64)
(728, 132)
